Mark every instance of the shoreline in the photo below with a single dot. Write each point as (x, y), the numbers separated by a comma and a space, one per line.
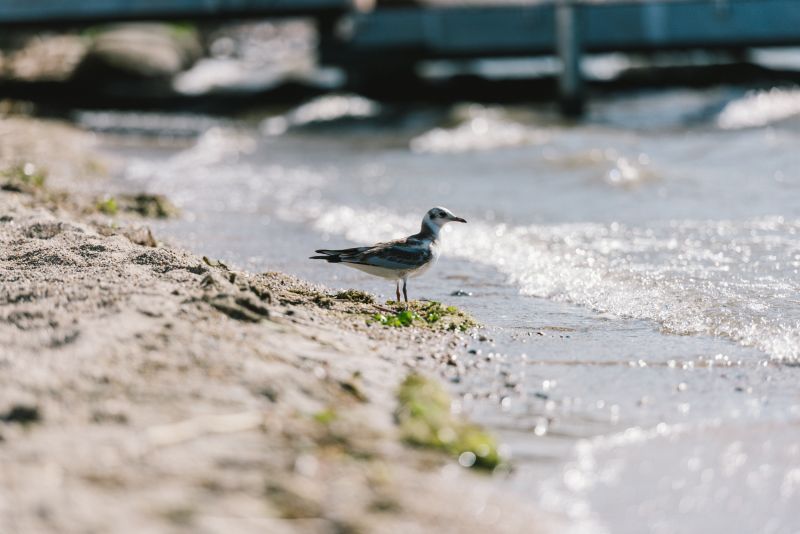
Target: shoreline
(147, 388)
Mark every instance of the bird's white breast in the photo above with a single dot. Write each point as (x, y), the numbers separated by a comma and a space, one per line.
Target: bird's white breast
(383, 272)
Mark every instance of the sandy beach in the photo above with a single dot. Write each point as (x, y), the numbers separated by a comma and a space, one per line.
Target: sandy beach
(611, 345)
(146, 389)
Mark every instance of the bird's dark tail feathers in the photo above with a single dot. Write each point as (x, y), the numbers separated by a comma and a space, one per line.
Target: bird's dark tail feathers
(329, 259)
(335, 256)
(331, 256)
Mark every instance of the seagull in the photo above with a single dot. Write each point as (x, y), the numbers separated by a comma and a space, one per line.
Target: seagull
(399, 259)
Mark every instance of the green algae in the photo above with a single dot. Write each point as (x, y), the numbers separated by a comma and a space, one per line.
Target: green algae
(425, 420)
(107, 206)
(322, 300)
(325, 417)
(354, 295)
(429, 314)
(142, 204)
(23, 178)
(147, 205)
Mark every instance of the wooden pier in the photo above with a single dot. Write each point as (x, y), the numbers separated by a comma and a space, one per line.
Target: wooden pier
(403, 36)
(66, 12)
(568, 29)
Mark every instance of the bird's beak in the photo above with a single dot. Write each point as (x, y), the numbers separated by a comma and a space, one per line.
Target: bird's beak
(459, 219)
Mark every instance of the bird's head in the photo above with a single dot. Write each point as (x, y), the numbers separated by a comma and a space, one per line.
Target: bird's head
(438, 217)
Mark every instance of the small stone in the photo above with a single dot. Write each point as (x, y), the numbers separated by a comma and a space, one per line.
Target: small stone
(24, 414)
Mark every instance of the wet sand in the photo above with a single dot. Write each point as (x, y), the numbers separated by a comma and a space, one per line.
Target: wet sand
(145, 388)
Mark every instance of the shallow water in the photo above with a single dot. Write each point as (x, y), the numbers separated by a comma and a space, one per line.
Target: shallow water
(637, 274)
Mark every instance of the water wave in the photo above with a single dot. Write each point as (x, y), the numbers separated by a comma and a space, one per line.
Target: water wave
(760, 108)
(479, 128)
(736, 280)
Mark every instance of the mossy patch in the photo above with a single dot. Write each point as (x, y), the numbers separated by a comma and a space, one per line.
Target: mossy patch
(325, 417)
(354, 295)
(107, 206)
(147, 205)
(426, 420)
(322, 300)
(430, 314)
(142, 204)
(23, 178)
(363, 308)
(183, 29)
(403, 318)
(319, 298)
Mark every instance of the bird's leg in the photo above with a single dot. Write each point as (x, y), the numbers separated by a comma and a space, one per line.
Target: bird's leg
(397, 287)
(405, 295)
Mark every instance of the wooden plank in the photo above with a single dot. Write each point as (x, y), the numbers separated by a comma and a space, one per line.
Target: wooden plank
(456, 31)
(692, 24)
(605, 27)
(53, 11)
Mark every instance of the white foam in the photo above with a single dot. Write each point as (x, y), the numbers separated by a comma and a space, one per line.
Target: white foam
(482, 128)
(760, 108)
(322, 109)
(691, 277)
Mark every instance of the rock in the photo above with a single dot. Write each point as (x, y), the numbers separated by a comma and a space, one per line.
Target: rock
(24, 414)
(215, 263)
(242, 308)
(143, 50)
(141, 235)
(44, 58)
(147, 205)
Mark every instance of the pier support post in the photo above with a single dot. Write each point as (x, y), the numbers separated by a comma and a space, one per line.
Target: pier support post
(568, 47)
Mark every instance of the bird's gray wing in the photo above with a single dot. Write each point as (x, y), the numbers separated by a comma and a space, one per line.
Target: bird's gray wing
(400, 254)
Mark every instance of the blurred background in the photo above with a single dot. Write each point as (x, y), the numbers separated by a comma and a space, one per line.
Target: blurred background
(192, 55)
(630, 174)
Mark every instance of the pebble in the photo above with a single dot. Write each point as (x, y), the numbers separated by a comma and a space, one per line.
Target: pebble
(21, 413)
